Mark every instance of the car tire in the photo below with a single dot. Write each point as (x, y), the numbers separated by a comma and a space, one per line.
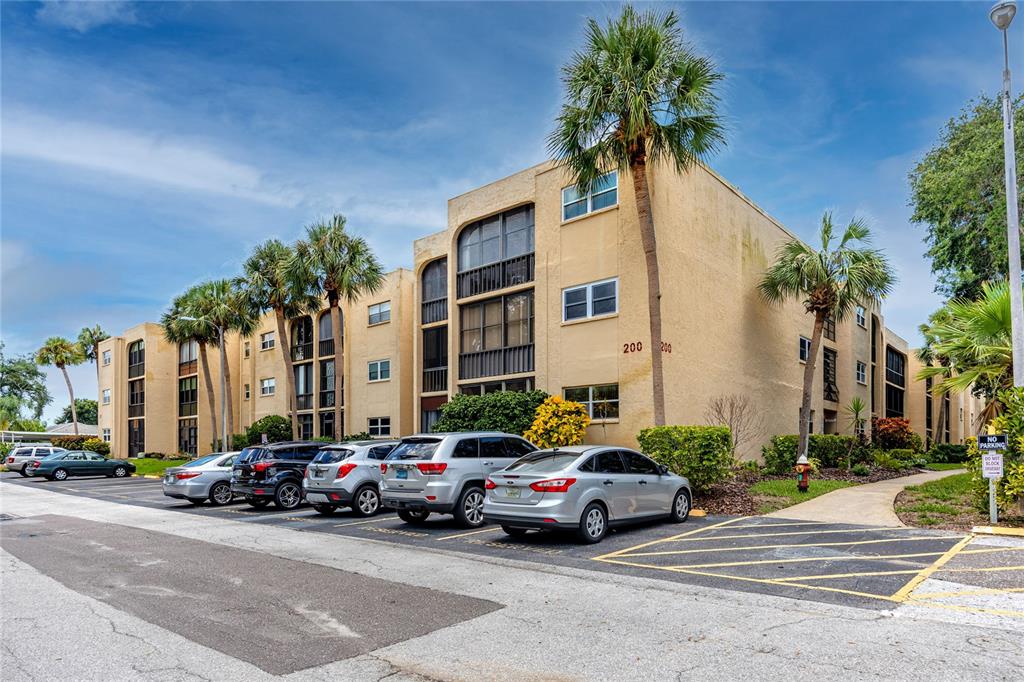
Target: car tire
(257, 502)
(22, 472)
(593, 524)
(288, 495)
(513, 532)
(325, 509)
(220, 494)
(415, 518)
(196, 501)
(59, 475)
(120, 472)
(680, 507)
(366, 501)
(469, 511)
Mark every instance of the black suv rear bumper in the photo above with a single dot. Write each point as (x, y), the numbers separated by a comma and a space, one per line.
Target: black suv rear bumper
(252, 489)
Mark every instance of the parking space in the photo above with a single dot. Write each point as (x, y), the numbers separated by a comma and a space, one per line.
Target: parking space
(863, 566)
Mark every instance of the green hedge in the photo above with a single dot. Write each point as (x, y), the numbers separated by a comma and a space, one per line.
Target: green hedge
(276, 427)
(703, 454)
(831, 450)
(97, 445)
(70, 442)
(508, 411)
(947, 453)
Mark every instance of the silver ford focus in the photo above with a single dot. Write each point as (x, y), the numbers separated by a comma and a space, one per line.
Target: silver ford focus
(584, 488)
(206, 478)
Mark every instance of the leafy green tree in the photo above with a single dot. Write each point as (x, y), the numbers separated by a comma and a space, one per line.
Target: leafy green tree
(268, 285)
(182, 323)
(830, 283)
(90, 339)
(340, 266)
(23, 384)
(636, 95)
(275, 426)
(87, 410)
(958, 194)
(507, 411)
(60, 352)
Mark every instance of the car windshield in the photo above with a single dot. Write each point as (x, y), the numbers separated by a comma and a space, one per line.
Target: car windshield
(545, 461)
(418, 448)
(332, 455)
(201, 461)
(253, 455)
(57, 455)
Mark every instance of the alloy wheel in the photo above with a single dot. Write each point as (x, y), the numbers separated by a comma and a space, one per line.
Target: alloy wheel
(60, 474)
(595, 523)
(474, 507)
(221, 494)
(120, 472)
(289, 496)
(682, 505)
(368, 501)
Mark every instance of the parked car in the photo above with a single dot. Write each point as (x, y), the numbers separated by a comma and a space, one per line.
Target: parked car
(60, 465)
(206, 478)
(445, 473)
(27, 452)
(273, 473)
(584, 488)
(347, 475)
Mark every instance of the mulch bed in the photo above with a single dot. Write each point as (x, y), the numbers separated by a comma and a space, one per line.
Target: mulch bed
(734, 497)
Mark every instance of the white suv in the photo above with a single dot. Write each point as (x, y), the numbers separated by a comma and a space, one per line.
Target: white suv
(445, 473)
(28, 452)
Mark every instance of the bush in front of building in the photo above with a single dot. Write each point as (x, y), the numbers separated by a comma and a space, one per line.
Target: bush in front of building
(239, 441)
(276, 427)
(70, 442)
(349, 437)
(558, 423)
(830, 450)
(703, 454)
(947, 453)
(894, 460)
(97, 445)
(894, 433)
(507, 411)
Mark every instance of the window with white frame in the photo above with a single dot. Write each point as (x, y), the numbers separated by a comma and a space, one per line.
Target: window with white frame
(602, 401)
(248, 346)
(603, 193)
(268, 386)
(378, 426)
(862, 373)
(247, 392)
(380, 313)
(590, 300)
(379, 370)
(106, 435)
(805, 348)
(106, 357)
(106, 396)
(266, 341)
(862, 318)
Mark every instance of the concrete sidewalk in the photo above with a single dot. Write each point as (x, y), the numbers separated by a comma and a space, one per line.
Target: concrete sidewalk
(870, 504)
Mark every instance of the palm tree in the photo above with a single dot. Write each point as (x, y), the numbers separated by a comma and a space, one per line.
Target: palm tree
(181, 324)
(830, 283)
(341, 266)
(636, 94)
(60, 352)
(929, 357)
(267, 285)
(856, 413)
(90, 339)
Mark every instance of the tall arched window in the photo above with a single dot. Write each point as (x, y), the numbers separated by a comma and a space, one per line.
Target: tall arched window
(435, 291)
(302, 338)
(496, 238)
(187, 354)
(136, 358)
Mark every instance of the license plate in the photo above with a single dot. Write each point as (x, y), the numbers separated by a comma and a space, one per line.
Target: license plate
(401, 473)
(513, 492)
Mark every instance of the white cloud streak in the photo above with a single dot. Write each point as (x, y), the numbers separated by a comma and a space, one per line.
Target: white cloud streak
(86, 15)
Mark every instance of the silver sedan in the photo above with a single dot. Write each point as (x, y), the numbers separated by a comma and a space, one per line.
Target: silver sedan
(584, 488)
(206, 478)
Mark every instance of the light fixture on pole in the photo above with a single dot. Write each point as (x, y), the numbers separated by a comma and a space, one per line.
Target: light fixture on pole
(1001, 16)
(223, 385)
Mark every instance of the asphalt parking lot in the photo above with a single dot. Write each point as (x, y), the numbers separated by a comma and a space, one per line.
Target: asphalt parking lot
(850, 564)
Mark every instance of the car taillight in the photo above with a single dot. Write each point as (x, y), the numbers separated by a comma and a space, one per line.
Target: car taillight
(432, 468)
(490, 485)
(345, 469)
(10, 460)
(261, 466)
(186, 474)
(553, 485)
(383, 468)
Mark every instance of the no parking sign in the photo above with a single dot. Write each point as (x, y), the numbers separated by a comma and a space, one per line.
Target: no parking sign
(992, 447)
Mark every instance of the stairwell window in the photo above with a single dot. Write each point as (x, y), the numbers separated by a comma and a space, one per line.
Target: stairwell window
(862, 319)
(379, 370)
(805, 348)
(862, 373)
(106, 357)
(267, 341)
(106, 435)
(378, 426)
(604, 192)
(590, 300)
(380, 313)
(268, 386)
(106, 396)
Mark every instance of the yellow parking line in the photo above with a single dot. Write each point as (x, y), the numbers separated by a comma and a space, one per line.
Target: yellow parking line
(669, 539)
(359, 523)
(754, 547)
(780, 525)
(965, 593)
(981, 570)
(472, 532)
(836, 576)
(881, 557)
(993, 549)
(770, 535)
(901, 594)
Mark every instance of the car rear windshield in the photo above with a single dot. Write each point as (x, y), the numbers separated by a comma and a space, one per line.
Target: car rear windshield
(201, 461)
(543, 462)
(332, 455)
(22, 452)
(418, 448)
(253, 455)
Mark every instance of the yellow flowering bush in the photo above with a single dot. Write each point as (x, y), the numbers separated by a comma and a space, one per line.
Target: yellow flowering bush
(558, 422)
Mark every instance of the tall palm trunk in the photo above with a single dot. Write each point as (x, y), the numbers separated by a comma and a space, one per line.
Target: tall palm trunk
(204, 363)
(71, 394)
(96, 359)
(230, 401)
(940, 420)
(285, 345)
(649, 241)
(805, 400)
(338, 389)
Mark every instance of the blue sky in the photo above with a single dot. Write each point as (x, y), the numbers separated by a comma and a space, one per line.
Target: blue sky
(147, 146)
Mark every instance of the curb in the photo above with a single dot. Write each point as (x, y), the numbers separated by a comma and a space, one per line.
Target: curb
(698, 512)
(995, 530)
(148, 476)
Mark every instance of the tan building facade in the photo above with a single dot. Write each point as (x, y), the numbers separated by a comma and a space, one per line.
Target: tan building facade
(532, 285)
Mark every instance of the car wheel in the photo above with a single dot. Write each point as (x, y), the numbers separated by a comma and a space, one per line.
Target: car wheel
(287, 496)
(514, 532)
(120, 472)
(197, 501)
(366, 501)
(220, 494)
(257, 502)
(22, 471)
(680, 507)
(593, 524)
(59, 475)
(325, 509)
(415, 518)
(469, 512)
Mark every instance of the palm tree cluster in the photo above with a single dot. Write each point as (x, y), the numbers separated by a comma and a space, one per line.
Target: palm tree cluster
(62, 353)
(329, 264)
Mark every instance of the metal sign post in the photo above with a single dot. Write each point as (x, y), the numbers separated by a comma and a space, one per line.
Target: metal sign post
(992, 467)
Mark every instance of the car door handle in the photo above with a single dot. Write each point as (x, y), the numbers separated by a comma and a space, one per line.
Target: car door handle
(643, 482)
(487, 464)
(609, 482)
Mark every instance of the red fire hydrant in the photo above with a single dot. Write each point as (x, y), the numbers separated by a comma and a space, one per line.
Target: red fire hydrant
(803, 469)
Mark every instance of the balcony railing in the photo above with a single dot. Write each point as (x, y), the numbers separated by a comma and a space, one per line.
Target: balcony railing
(137, 410)
(831, 392)
(493, 276)
(435, 379)
(302, 351)
(136, 370)
(326, 347)
(492, 363)
(435, 311)
(185, 368)
(304, 402)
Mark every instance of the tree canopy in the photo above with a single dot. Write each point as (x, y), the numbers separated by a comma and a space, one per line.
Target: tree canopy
(87, 409)
(24, 384)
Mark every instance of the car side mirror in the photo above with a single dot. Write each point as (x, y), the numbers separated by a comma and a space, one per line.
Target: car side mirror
(662, 470)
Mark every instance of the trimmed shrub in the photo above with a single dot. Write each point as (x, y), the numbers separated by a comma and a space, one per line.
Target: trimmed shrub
(323, 439)
(861, 469)
(947, 453)
(893, 433)
(831, 451)
(508, 411)
(362, 435)
(70, 442)
(239, 440)
(558, 423)
(703, 454)
(276, 427)
(780, 454)
(5, 448)
(887, 460)
(97, 445)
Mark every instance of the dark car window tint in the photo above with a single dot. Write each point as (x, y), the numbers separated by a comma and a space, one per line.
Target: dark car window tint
(23, 452)
(332, 456)
(419, 448)
(517, 447)
(306, 453)
(610, 463)
(638, 464)
(200, 462)
(588, 465)
(381, 451)
(466, 448)
(253, 455)
(227, 462)
(493, 447)
(543, 462)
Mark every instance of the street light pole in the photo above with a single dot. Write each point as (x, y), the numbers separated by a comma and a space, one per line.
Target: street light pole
(224, 393)
(1001, 16)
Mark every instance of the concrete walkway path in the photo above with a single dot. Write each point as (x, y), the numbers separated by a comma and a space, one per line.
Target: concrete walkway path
(870, 503)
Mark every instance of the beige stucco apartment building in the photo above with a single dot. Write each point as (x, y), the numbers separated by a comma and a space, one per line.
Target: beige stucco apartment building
(532, 285)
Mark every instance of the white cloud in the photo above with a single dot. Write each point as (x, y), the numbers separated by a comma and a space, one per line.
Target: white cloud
(86, 15)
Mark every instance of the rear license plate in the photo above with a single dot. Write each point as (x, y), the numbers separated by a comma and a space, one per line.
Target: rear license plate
(513, 492)
(401, 473)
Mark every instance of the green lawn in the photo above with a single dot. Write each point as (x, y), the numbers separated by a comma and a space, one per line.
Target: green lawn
(155, 466)
(944, 466)
(945, 502)
(779, 494)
